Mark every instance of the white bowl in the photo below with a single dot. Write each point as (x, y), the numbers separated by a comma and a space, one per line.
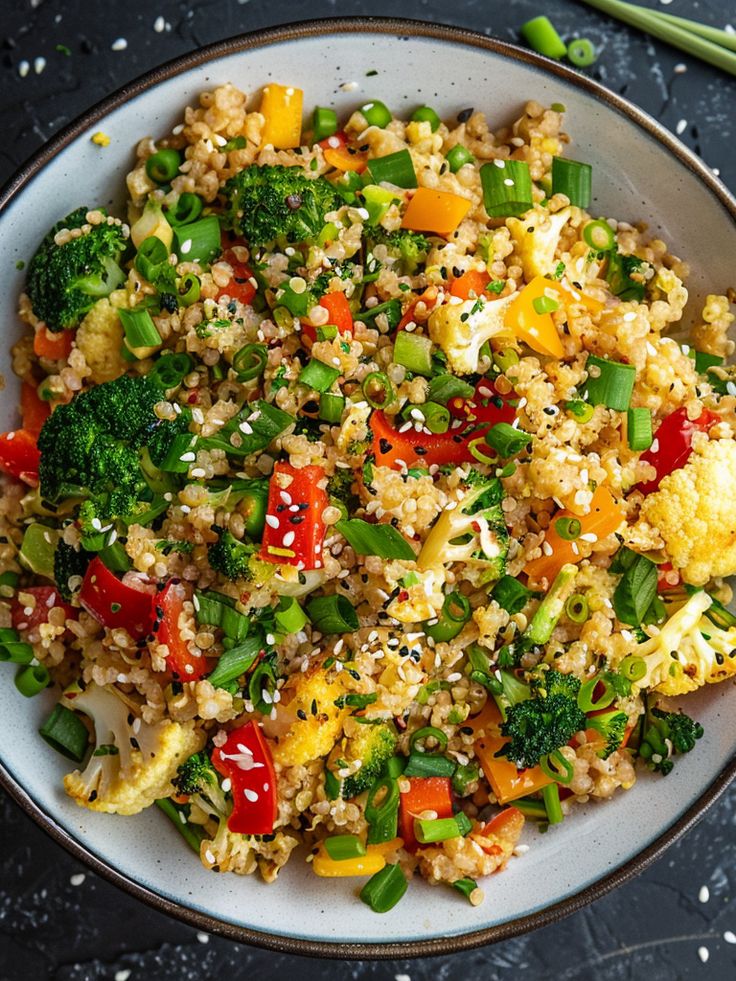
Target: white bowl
(640, 172)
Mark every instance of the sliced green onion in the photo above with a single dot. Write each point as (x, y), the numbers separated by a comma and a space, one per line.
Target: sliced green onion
(13, 649)
(576, 608)
(428, 732)
(331, 407)
(442, 388)
(332, 614)
(188, 289)
(465, 886)
(442, 829)
(170, 370)
(391, 309)
(382, 818)
(218, 610)
(505, 359)
(511, 595)
(66, 733)
(478, 447)
(429, 765)
(266, 422)
(581, 412)
(318, 375)
(581, 52)
(703, 361)
(326, 333)
(140, 330)
(633, 668)
(187, 209)
(332, 786)
(506, 440)
(199, 241)
(464, 775)
(507, 189)
(381, 540)
(151, 257)
(454, 614)
(425, 114)
(587, 701)
(531, 808)
(378, 390)
(639, 429)
(250, 362)
(37, 549)
(573, 179)
(457, 157)
(32, 679)
(542, 37)
(115, 557)
(414, 352)
(377, 200)
(551, 798)
(568, 528)
(342, 847)
(384, 889)
(394, 168)
(324, 123)
(375, 113)
(557, 767)
(289, 615)
(395, 767)
(163, 166)
(234, 663)
(262, 680)
(599, 236)
(436, 417)
(177, 814)
(545, 304)
(609, 383)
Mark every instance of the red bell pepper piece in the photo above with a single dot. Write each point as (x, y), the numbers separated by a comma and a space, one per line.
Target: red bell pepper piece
(507, 825)
(294, 529)
(424, 794)
(245, 759)
(20, 456)
(479, 414)
(116, 604)
(34, 410)
(664, 572)
(240, 286)
(674, 442)
(47, 598)
(168, 607)
(338, 308)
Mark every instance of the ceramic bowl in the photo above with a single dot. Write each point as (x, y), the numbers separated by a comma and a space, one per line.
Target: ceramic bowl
(641, 172)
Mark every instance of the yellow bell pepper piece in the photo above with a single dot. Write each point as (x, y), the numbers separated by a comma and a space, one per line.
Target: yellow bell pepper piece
(330, 868)
(537, 330)
(281, 105)
(435, 211)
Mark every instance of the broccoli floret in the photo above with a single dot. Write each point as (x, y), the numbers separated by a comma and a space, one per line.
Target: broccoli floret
(612, 726)
(373, 745)
(666, 734)
(65, 281)
(70, 565)
(474, 532)
(91, 447)
(552, 682)
(408, 248)
(198, 779)
(230, 557)
(539, 726)
(270, 203)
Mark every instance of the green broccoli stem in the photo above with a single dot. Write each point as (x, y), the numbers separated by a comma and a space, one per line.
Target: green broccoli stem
(513, 691)
(550, 609)
(174, 814)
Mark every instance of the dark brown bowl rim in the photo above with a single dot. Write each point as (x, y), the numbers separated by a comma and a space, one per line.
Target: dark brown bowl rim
(402, 949)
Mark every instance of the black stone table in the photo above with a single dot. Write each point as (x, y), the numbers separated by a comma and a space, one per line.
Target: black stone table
(676, 921)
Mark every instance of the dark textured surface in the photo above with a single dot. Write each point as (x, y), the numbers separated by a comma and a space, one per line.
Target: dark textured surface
(58, 922)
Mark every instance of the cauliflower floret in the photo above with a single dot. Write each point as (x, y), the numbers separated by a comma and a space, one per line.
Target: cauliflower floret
(536, 237)
(695, 514)
(423, 599)
(712, 334)
(100, 339)
(308, 718)
(680, 659)
(242, 854)
(133, 763)
(461, 329)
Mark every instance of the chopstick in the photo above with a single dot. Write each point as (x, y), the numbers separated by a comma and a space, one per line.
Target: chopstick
(710, 44)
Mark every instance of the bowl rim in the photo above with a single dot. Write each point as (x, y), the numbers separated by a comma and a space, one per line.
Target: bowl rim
(397, 949)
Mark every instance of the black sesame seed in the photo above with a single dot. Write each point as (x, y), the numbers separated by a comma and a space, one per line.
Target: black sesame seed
(464, 116)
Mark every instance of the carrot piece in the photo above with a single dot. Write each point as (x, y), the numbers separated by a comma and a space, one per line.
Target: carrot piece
(435, 211)
(34, 411)
(424, 794)
(341, 158)
(605, 516)
(281, 105)
(472, 281)
(507, 782)
(55, 346)
(538, 330)
(337, 306)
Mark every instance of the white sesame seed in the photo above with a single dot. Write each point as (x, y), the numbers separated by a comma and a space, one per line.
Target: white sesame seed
(704, 894)
(680, 69)
(730, 937)
(119, 45)
(159, 24)
(188, 457)
(186, 247)
(122, 975)
(681, 127)
(272, 521)
(250, 795)
(289, 538)
(508, 182)
(198, 472)
(547, 548)
(499, 163)
(628, 317)
(589, 536)
(77, 879)
(23, 68)
(703, 954)
(38, 65)
(203, 938)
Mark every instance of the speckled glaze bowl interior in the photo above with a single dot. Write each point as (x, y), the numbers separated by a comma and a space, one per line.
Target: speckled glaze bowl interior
(640, 172)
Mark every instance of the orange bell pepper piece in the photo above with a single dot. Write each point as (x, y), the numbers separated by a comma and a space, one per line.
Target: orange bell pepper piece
(570, 296)
(424, 794)
(281, 105)
(508, 783)
(605, 516)
(34, 411)
(55, 346)
(435, 211)
(537, 330)
(488, 719)
(472, 281)
(341, 158)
